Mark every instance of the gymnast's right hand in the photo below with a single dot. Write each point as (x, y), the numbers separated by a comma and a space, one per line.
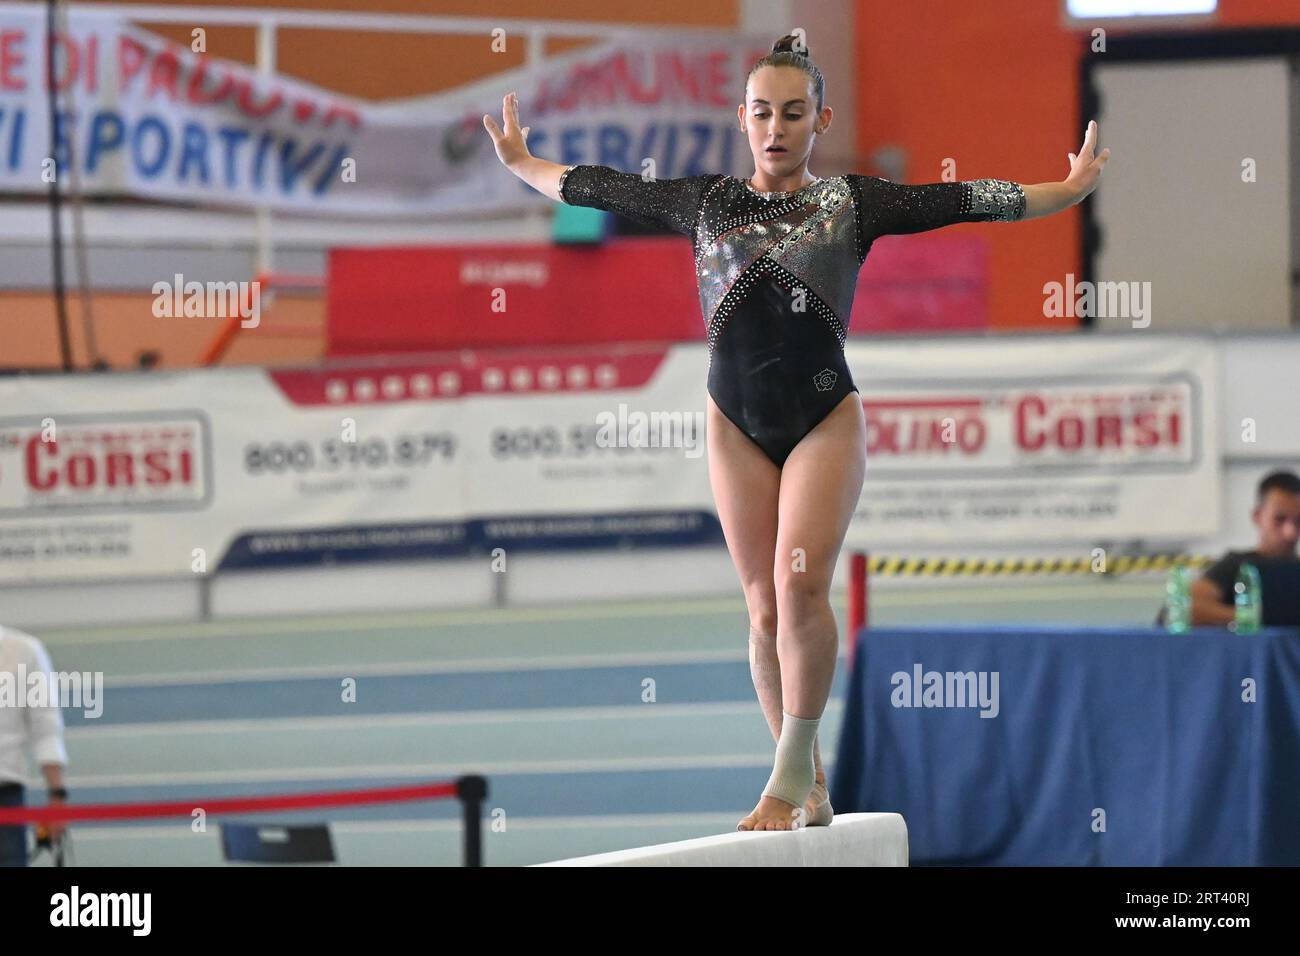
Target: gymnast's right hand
(512, 143)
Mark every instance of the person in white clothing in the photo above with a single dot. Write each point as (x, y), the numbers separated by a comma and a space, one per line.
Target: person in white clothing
(21, 726)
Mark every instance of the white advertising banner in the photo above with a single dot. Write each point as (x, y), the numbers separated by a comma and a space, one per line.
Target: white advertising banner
(970, 444)
(150, 118)
(1041, 440)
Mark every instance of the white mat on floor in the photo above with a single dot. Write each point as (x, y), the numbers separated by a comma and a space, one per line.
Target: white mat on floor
(852, 839)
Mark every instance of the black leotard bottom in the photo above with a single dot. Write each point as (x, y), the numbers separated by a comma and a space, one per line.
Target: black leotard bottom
(777, 430)
(777, 374)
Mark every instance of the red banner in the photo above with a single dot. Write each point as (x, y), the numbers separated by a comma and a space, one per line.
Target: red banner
(435, 298)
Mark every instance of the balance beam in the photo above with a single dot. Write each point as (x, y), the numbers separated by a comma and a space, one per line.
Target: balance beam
(852, 839)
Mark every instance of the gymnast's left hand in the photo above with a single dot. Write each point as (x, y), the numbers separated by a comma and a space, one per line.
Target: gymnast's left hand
(1086, 166)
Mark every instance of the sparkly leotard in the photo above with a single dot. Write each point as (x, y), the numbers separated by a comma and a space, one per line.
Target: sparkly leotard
(777, 273)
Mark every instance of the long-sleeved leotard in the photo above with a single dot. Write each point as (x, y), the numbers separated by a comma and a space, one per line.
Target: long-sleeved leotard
(777, 273)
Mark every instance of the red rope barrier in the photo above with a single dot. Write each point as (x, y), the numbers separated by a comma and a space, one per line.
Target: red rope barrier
(171, 808)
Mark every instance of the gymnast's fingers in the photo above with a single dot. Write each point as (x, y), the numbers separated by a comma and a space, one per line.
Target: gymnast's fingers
(507, 115)
(1089, 140)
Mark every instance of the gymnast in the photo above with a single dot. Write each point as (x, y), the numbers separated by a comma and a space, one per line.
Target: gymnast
(777, 257)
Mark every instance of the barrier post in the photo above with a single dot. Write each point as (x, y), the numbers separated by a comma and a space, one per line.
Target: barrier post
(857, 599)
(471, 790)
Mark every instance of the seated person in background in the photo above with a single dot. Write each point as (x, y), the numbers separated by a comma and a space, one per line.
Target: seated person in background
(1277, 516)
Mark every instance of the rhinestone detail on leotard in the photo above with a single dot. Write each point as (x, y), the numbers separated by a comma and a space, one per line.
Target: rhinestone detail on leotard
(999, 199)
(799, 239)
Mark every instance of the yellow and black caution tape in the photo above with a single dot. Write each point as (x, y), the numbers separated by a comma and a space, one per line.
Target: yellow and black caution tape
(975, 567)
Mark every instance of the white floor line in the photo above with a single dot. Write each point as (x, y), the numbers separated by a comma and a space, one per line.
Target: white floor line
(282, 725)
(88, 833)
(431, 771)
(430, 667)
(433, 618)
(620, 821)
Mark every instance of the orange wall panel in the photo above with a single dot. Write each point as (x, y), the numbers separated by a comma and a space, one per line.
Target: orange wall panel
(125, 326)
(994, 86)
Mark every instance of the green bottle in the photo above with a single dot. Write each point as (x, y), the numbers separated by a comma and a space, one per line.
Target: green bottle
(1178, 600)
(1249, 603)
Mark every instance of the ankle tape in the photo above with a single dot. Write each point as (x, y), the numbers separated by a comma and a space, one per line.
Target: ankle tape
(793, 774)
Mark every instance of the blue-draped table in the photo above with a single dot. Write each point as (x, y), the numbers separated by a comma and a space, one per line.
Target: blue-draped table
(1101, 746)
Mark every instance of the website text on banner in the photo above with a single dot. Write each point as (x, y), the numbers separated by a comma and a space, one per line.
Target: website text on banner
(974, 445)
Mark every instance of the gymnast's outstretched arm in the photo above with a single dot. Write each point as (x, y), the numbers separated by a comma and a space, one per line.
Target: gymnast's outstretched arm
(888, 208)
(512, 149)
(672, 204)
(1044, 199)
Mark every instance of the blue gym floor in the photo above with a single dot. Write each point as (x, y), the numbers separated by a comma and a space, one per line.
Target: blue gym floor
(599, 727)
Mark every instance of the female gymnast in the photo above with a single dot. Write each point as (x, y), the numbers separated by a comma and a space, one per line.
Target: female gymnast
(777, 258)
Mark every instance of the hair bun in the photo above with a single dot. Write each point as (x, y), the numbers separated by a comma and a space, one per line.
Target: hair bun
(786, 45)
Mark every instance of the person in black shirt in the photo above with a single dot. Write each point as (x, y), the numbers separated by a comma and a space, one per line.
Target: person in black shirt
(1277, 516)
(777, 257)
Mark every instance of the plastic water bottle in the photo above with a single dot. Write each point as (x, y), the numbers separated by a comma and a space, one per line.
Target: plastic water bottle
(1178, 600)
(1249, 604)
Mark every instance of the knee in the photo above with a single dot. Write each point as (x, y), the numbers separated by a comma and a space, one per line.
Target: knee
(802, 597)
(760, 601)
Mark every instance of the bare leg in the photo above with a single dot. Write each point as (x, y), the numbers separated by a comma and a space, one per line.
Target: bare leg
(765, 668)
(820, 486)
(746, 487)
